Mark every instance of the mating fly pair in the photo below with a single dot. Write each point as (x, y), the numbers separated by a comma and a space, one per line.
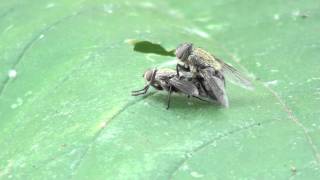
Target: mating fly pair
(198, 74)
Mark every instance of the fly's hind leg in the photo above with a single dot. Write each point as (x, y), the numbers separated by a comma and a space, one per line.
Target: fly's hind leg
(201, 99)
(169, 97)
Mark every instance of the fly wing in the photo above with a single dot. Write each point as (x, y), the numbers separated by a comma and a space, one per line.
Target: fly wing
(214, 86)
(183, 86)
(234, 76)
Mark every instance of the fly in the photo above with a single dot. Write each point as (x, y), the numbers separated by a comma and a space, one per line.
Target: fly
(167, 80)
(195, 60)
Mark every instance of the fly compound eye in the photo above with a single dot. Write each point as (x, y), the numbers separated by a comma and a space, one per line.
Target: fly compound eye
(179, 52)
(183, 51)
(148, 75)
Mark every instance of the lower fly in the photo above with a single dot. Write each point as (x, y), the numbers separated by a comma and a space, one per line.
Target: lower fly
(167, 80)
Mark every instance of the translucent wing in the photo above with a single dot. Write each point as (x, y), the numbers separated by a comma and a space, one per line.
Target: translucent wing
(185, 87)
(234, 76)
(214, 86)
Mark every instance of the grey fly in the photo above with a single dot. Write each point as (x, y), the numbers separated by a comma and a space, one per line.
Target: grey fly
(167, 80)
(195, 59)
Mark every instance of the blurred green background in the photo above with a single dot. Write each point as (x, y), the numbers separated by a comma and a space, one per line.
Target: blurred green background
(66, 72)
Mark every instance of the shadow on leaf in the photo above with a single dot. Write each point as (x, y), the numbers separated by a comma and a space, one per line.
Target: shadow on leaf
(151, 48)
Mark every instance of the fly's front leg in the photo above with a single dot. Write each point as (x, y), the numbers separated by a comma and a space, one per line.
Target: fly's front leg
(181, 67)
(141, 91)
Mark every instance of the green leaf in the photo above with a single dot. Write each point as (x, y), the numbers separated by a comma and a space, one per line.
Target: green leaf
(66, 72)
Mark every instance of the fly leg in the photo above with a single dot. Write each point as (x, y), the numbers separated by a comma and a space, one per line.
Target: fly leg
(141, 91)
(220, 75)
(181, 67)
(201, 99)
(169, 97)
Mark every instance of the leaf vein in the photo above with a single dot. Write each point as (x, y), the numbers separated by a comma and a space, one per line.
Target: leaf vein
(29, 45)
(217, 138)
(107, 122)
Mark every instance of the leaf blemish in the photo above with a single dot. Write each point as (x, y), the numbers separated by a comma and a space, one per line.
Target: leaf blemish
(12, 73)
(198, 32)
(196, 174)
(50, 5)
(274, 82)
